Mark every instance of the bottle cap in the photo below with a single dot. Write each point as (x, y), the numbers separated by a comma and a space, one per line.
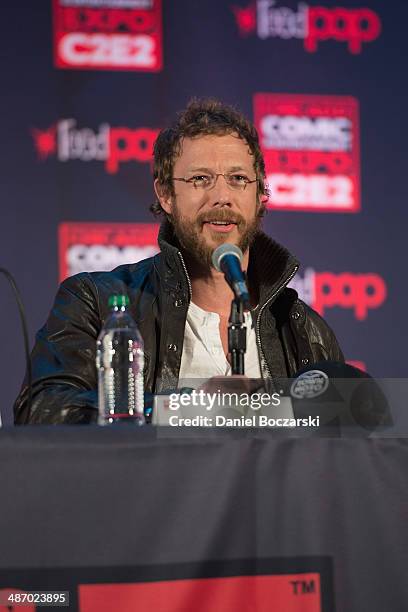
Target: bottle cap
(119, 301)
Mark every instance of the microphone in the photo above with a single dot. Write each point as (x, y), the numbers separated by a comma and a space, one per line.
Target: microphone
(23, 319)
(227, 258)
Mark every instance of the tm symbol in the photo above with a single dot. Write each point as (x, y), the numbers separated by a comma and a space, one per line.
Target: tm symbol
(303, 587)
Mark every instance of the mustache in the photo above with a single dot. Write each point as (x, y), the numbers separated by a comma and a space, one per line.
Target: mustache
(220, 215)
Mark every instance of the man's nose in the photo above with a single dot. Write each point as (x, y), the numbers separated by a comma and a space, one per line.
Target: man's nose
(221, 193)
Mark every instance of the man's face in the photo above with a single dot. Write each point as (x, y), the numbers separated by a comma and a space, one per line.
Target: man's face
(193, 211)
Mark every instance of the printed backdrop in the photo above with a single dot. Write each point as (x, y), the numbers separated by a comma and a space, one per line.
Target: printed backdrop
(87, 84)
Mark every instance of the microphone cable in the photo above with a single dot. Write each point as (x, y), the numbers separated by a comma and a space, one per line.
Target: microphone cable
(25, 336)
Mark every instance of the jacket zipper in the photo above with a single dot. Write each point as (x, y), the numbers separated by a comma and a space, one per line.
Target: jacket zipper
(257, 332)
(258, 320)
(186, 273)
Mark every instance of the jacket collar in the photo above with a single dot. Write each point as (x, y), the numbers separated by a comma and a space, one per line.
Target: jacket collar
(271, 266)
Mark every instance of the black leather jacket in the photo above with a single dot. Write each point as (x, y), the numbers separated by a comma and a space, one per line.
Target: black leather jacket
(290, 335)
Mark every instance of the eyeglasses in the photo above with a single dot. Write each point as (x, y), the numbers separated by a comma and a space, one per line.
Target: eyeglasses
(238, 182)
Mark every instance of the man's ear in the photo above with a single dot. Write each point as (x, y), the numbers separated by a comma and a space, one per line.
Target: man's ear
(261, 204)
(164, 198)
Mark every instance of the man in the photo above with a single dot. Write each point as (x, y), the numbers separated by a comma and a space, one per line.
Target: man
(209, 180)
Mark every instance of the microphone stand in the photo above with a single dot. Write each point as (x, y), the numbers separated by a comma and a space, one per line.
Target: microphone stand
(237, 337)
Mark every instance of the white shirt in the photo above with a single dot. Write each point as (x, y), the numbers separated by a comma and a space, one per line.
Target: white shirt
(203, 355)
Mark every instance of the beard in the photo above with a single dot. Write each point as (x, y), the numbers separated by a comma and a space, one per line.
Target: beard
(191, 238)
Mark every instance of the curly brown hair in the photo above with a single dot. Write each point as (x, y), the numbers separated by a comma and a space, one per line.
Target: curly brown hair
(203, 117)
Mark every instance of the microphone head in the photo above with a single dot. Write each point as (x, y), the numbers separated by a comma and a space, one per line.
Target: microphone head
(225, 249)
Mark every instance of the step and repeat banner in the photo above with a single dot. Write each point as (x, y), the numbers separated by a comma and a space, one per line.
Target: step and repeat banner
(89, 84)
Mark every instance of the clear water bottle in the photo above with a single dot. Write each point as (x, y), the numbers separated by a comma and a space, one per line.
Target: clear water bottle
(120, 361)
